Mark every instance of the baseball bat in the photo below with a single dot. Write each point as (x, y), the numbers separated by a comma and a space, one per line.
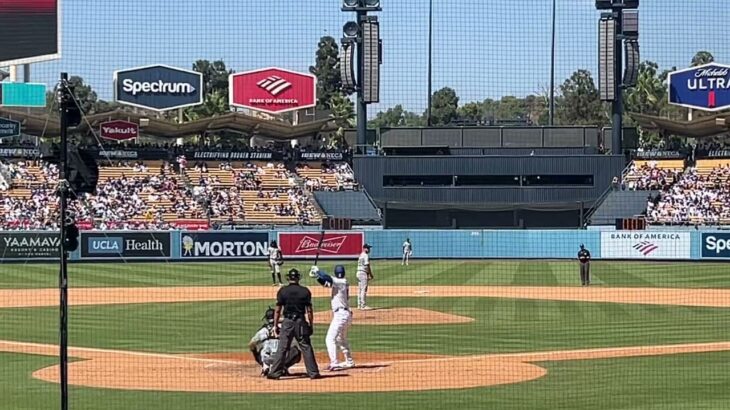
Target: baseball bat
(319, 245)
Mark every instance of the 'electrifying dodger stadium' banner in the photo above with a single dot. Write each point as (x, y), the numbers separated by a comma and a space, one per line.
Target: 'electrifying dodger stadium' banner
(706, 87)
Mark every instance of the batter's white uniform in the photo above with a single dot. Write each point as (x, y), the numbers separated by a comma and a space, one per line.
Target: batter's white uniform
(341, 321)
(407, 251)
(266, 346)
(363, 266)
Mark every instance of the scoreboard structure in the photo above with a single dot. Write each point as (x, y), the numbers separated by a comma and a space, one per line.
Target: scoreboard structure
(30, 31)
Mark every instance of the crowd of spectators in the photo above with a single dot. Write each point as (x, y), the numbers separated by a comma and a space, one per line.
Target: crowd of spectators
(648, 177)
(344, 178)
(695, 198)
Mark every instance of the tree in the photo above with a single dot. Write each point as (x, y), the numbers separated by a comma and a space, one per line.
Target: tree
(327, 71)
(215, 90)
(444, 106)
(580, 103)
(343, 113)
(702, 58)
(471, 112)
(396, 117)
(85, 95)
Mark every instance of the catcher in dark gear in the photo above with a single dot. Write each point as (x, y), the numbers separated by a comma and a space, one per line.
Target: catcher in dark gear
(264, 344)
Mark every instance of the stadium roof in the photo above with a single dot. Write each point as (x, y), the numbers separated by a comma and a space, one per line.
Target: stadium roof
(35, 124)
(702, 127)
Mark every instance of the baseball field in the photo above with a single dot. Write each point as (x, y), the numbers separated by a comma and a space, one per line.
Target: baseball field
(444, 334)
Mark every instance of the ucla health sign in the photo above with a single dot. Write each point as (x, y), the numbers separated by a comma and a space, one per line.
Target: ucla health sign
(125, 245)
(158, 87)
(705, 87)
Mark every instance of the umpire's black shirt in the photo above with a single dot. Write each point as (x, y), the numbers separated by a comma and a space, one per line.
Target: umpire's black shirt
(295, 299)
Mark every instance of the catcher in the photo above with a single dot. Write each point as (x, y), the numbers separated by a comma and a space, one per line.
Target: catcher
(276, 259)
(264, 344)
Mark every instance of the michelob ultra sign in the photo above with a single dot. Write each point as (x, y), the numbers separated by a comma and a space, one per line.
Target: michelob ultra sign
(705, 87)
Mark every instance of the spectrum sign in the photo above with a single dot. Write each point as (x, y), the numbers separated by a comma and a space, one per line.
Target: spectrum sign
(158, 87)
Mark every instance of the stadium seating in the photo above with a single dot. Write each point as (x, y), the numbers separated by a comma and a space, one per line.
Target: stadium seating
(153, 195)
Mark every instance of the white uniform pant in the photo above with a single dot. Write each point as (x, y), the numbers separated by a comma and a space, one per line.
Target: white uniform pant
(337, 336)
(362, 290)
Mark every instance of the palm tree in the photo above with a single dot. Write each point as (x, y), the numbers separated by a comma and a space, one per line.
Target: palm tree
(702, 58)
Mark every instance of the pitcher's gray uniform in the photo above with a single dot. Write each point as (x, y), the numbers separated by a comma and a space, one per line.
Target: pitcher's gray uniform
(364, 275)
(407, 251)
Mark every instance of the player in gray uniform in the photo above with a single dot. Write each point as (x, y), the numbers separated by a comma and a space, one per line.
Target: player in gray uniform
(276, 259)
(263, 346)
(407, 252)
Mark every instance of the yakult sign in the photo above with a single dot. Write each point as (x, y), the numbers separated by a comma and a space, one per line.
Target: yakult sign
(118, 130)
(158, 87)
(273, 90)
(705, 87)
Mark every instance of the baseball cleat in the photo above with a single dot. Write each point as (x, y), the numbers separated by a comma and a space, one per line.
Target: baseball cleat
(348, 364)
(366, 308)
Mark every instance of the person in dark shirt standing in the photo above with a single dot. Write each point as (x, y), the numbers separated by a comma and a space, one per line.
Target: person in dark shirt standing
(294, 303)
(584, 257)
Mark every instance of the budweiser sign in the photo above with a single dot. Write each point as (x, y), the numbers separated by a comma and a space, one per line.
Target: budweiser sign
(333, 244)
(119, 130)
(330, 245)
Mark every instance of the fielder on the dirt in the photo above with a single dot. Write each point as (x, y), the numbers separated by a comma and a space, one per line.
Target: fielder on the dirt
(276, 259)
(263, 346)
(364, 276)
(341, 316)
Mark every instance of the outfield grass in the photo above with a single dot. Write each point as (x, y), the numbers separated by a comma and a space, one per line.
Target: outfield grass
(685, 381)
(432, 272)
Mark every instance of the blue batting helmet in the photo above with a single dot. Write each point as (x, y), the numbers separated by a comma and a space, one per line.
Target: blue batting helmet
(339, 271)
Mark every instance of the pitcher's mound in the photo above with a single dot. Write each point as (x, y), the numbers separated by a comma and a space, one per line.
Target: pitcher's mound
(396, 316)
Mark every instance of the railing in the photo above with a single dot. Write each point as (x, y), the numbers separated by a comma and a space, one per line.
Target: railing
(597, 204)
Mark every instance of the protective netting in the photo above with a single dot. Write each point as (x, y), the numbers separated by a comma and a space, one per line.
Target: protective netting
(176, 265)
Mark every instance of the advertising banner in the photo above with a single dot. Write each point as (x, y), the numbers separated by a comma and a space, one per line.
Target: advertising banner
(706, 87)
(118, 130)
(303, 245)
(29, 245)
(19, 153)
(228, 155)
(9, 128)
(192, 224)
(224, 245)
(645, 245)
(321, 156)
(716, 245)
(273, 90)
(158, 87)
(29, 31)
(125, 245)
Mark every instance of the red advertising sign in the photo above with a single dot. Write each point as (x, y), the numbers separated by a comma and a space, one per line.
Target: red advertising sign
(192, 224)
(118, 130)
(334, 245)
(273, 90)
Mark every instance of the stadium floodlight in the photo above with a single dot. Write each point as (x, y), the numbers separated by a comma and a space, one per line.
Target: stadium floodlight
(351, 29)
(371, 5)
(371, 60)
(631, 73)
(616, 4)
(347, 72)
(350, 5)
(607, 57)
(630, 28)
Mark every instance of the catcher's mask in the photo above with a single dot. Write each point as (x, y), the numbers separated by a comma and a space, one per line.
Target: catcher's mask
(268, 316)
(339, 271)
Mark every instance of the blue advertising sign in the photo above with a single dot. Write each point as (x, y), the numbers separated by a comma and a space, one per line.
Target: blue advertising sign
(716, 245)
(9, 128)
(23, 95)
(705, 87)
(158, 87)
(125, 245)
(224, 245)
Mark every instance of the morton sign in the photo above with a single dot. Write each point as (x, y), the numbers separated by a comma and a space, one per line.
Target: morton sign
(273, 90)
(705, 87)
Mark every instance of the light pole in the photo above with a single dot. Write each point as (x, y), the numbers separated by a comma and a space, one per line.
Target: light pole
(552, 70)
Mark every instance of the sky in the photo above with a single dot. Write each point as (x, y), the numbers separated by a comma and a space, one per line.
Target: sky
(481, 48)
